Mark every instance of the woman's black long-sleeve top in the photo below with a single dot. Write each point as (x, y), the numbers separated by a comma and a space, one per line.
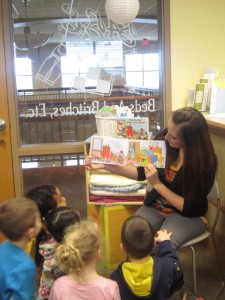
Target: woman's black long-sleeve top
(196, 206)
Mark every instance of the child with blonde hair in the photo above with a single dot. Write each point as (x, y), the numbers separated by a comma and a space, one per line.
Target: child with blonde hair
(20, 222)
(77, 256)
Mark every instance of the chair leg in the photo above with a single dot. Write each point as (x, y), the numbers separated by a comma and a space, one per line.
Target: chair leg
(194, 269)
(219, 266)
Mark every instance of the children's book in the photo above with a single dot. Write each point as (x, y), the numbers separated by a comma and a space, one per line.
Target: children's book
(133, 128)
(127, 152)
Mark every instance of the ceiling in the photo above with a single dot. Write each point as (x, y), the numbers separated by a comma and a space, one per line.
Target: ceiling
(57, 19)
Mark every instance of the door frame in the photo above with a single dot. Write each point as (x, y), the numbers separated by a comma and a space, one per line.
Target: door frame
(19, 151)
(6, 166)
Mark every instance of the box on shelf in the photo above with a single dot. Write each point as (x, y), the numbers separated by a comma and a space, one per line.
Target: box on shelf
(107, 119)
(106, 126)
(110, 220)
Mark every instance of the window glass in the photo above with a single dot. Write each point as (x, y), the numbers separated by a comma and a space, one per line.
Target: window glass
(134, 62)
(151, 61)
(135, 79)
(151, 80)
(72, 59)
(64, 171)
(23, 68)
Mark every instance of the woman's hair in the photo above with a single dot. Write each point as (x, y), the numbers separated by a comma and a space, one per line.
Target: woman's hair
(137, 237)
(17, 216)
(58, 219)
(43, 195)
(199, 154)
(80, 246)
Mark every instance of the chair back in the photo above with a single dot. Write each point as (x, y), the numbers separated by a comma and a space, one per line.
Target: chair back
(214, 193)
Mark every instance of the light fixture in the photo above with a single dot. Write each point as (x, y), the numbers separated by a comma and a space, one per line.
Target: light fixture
(122, 11)
(30, 40)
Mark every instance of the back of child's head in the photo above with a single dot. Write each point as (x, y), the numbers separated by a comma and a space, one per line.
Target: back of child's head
(17, 216)
(58, 219)
(43, 195)
(137, 237)
(80, 247)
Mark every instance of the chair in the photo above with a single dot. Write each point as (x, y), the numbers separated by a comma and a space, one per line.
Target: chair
(213, 195)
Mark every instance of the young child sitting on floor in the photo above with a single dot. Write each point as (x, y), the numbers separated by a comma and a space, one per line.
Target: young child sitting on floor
(55, 223)
(20, 222)
(144, 276)
(78, 256)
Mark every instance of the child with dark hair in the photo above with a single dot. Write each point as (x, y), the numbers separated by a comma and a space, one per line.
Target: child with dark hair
(55, 223)
(20, 222)
(47, 198)
(144, 276)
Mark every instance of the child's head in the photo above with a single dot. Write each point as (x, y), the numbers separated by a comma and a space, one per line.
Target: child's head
(19, 216)
(58, 219)
(47, 198)
(81, 246)
(137, 237)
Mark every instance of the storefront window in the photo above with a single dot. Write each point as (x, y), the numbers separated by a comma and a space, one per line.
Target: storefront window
(71, 60)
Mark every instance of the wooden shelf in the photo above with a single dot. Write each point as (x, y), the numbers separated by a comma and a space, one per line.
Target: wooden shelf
(110, 217)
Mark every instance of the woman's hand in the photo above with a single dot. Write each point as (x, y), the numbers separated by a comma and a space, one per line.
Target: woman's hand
(162, 235)
(90, 166)
(151, 174)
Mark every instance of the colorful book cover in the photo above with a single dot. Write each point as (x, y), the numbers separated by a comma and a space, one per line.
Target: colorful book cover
(133, 128)
(127, 152)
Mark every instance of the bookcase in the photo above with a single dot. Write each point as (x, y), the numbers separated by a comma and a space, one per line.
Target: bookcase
(110, 218)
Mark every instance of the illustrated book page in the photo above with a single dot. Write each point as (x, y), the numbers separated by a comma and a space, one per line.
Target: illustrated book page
(127, 152)
(133, 128)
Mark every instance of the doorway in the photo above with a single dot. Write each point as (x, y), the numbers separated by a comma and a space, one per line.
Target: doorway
(60, 70)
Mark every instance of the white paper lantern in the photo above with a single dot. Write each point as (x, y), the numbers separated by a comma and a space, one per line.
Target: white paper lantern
(122, 11)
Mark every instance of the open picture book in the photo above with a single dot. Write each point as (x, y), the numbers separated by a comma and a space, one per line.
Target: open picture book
(127, 152)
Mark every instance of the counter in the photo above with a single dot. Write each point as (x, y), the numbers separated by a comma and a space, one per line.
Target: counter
(216, 123)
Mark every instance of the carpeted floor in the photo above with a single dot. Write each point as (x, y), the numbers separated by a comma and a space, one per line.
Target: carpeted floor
(208, 276)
